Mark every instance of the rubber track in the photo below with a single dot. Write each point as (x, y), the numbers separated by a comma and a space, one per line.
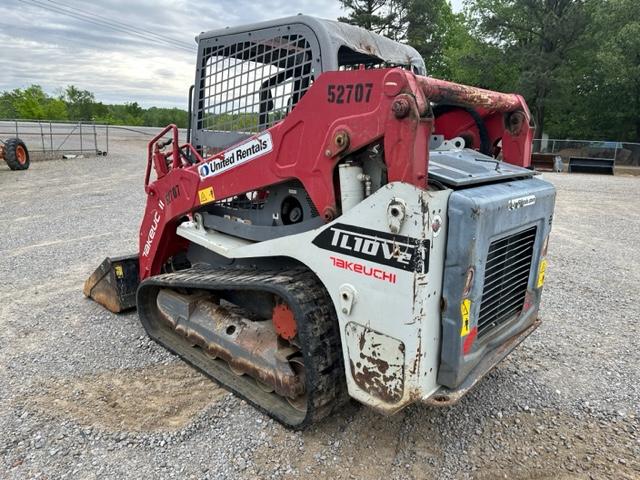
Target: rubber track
(318, 336)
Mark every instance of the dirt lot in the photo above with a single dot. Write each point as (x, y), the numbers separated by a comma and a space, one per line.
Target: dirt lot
(84, 394)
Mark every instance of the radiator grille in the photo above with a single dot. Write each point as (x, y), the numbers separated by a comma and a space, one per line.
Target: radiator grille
(505, 279)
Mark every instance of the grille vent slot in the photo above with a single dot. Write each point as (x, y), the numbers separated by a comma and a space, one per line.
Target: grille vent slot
(505, 279)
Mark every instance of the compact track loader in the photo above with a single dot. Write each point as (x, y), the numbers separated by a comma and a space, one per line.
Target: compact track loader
(337, 225)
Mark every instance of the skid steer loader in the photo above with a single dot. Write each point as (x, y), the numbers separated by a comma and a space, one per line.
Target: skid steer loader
(337, 225)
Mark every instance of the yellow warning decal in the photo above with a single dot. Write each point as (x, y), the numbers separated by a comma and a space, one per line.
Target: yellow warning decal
(119, 271)
(206, 195)
(541, 271)
(465, 311)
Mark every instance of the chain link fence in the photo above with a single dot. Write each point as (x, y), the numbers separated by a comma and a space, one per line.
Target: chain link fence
(57, 139)
(47, 139)
(624, 153)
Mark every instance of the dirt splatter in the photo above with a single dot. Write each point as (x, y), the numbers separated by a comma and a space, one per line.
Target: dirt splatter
(156, 398)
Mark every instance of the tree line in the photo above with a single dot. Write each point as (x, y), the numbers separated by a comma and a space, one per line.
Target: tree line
(577, 62)
(32, 103)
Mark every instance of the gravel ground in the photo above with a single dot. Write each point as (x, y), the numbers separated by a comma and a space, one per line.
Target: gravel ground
(84, 394)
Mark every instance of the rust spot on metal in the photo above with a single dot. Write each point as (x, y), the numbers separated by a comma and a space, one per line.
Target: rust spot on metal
(329, 213)
(441, 91)
(515, 122)
(340, 143)
(401, 107)
(377, 385)
(223, 334)
(106, 299)
(381, 365)
(415, 367)
(372, 368)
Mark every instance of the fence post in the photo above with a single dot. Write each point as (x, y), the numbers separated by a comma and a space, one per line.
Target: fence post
(51, 136)
(107, 150)
(95, 139)
(80, 123)
(42, 137)
(16, 122)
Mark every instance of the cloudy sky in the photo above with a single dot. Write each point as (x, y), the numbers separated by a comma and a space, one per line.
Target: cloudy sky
(50, 42)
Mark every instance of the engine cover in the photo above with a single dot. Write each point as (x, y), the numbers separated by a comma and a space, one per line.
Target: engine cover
(491, 290)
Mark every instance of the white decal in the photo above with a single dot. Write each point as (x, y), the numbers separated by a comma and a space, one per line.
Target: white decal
(245, 152)
(527, 201)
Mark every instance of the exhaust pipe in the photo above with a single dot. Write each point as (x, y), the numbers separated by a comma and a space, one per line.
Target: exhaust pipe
(114, 283)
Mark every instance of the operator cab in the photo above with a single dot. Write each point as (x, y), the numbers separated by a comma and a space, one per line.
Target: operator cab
(252, 76)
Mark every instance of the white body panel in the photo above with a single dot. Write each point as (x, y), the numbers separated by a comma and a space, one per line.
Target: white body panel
(389, 317)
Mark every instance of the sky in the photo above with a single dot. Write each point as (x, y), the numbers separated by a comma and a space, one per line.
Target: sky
(45, 47)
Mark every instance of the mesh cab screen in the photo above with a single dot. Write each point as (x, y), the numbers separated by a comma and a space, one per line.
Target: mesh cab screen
(247, 86)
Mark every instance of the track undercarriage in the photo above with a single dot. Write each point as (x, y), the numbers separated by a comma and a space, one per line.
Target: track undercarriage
(271, 337)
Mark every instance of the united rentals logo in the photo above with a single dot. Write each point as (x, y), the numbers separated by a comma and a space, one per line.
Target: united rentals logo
(397, 251)
(250, 150)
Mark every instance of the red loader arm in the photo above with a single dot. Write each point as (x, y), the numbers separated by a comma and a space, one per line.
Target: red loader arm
(341, 113)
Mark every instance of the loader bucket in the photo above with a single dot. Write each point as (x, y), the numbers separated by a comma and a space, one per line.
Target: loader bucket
(114, 283)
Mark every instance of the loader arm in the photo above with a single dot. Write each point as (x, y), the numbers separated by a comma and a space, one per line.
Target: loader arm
(341, 113)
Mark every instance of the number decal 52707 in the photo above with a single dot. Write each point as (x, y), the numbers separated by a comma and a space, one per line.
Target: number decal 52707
(349, 93)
